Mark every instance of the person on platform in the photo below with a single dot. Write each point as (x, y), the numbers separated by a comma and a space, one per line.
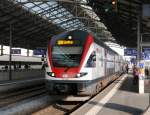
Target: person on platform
(6, 67)
(146, 72)
(26, 66)
(135, 75)
(127, 68)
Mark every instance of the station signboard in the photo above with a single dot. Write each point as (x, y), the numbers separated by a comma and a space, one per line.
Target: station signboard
(146, 10)
(133, 52)
(39, 52)
(15, 51)
(146, 54)
(146, 50)
(130, 52)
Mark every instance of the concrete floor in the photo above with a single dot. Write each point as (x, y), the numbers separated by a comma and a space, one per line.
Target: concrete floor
(126, 101)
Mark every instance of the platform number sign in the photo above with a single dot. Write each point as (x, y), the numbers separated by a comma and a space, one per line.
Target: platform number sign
(146, 54)
(146, 10)
(15, 51)
(39, 52)
(130, 52)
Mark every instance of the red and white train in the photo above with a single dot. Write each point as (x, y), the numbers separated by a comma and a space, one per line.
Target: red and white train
(80, 65)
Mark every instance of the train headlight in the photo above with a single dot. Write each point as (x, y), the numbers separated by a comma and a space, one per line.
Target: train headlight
(78, 75)
(81, 74)
(51, 74)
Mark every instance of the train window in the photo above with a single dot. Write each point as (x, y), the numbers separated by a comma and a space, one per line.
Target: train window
(66, 56)
(92, 60)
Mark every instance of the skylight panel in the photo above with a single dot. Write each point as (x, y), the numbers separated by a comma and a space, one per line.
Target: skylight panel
(21, 0)
(47, 15)
(54, 13)
(36, 9)
(43, 6)
(29, 5)
(52, 2)
(57, 21)
(42, 10)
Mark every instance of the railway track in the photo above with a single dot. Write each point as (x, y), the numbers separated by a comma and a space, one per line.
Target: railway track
(60, 108)
(41, 104)
(38, 102)
(18, 95)
(64, 107)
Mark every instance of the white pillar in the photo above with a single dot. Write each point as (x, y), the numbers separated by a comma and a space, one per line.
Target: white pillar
(141, 86)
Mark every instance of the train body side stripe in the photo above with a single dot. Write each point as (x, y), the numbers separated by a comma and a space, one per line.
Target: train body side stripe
(86, 47)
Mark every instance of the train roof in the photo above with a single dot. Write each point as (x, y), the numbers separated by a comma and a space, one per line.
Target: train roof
(85, 33)
(98, 41)
(104, 45)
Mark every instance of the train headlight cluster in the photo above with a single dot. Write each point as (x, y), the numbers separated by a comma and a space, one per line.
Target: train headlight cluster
(52, 74)
(78, 75)
(81, 74)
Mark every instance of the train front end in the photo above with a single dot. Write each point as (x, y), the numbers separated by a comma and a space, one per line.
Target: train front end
(66, 57)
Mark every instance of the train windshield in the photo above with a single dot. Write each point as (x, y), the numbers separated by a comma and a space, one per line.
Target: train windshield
(66, 56)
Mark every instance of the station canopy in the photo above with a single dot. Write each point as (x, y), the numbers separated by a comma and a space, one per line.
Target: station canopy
(33, 22)
(121, 17)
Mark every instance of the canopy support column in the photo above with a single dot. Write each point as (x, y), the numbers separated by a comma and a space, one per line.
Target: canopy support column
(2, 49)
(10, 53)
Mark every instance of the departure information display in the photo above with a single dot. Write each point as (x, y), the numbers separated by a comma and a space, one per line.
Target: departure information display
(65, 42)
(68, 42)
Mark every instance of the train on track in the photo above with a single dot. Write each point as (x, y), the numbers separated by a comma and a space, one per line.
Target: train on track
(79, 64)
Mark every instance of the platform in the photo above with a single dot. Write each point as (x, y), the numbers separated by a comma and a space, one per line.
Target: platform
(21, 74)
(120, 98)
(12, 85)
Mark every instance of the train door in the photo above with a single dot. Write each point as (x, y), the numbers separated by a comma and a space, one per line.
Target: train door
(105, 62)
(100, 62)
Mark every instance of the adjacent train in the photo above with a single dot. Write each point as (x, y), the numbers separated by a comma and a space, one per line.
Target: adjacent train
(78, 64)
(20, 62)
